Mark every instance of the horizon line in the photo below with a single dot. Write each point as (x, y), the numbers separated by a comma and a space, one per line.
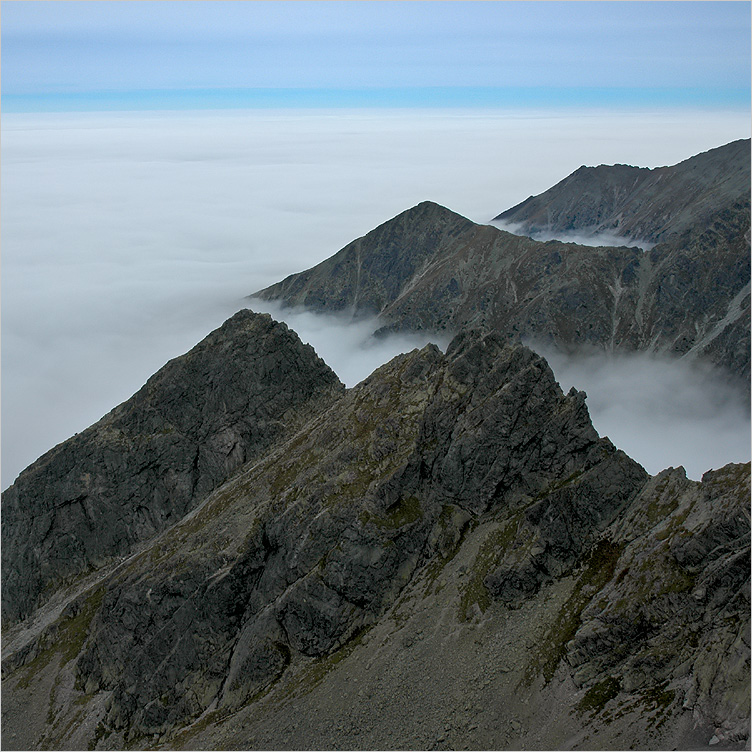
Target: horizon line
(737, 98)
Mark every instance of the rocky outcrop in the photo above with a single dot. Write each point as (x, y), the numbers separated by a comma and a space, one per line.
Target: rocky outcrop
(453, 524)
(151, 460)
(638, 202)
(318, 539)
(675, 617)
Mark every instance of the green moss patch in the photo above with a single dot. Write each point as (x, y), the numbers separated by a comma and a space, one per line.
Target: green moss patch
(599, 569)
(67, 640)
(556, 485)
(406, 511)
(490, 554)
(653, 703)
(599, 695)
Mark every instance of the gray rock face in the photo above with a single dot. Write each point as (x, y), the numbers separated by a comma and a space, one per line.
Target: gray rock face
(557, 529)
(458, 501)
(638, 202)
(148, 462)
(313, 543)
(676, 614)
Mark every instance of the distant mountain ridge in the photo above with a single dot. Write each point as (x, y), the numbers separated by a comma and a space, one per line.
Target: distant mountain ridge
(639, 202)
(430, 268)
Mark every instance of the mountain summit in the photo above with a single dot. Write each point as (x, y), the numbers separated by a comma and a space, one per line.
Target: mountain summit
(147, 463)
(638, 202)
(445, 555)
(370, 273)
(689, 296)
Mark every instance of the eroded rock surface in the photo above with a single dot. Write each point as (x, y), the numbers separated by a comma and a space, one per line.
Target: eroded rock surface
(674, 619)
(148, 462)
(445, 555)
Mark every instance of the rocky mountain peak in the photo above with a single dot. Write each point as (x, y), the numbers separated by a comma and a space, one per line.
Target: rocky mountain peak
(371, 272)
(452, 510)
(149, 461)
(431, 210)
(638, 202)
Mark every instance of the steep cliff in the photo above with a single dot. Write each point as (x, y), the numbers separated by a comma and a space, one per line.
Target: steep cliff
(446, 554)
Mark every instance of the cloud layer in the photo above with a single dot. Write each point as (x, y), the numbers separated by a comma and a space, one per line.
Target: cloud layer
(661, 411)
(127, 238)
(346, 345)
(581, 238)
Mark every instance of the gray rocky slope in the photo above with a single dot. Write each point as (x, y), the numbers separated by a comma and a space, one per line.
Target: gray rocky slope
(429, 268)
(639, 202)
(150, 460)
(446, 555)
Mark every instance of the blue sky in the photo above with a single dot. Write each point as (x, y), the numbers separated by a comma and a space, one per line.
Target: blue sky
(199, 53)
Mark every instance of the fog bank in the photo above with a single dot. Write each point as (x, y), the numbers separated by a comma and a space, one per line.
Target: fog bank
(571, 236)
(347, 346)
(663, 412)
(127, 237)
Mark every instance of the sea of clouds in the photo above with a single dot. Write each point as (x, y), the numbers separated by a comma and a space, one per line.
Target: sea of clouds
(661, 411)
(127, 237)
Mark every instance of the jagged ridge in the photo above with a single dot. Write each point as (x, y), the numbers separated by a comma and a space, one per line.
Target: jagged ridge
(152, 459)
(470, 468)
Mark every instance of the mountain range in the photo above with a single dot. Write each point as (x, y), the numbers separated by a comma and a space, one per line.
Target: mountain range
(688, 296)
(638, 202)
(247, 555)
